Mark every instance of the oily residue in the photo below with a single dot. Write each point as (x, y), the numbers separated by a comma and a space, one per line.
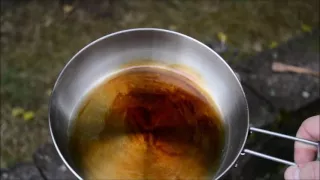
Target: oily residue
(147, 123)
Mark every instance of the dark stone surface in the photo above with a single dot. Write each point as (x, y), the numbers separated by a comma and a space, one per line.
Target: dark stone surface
(23, 171)
(286, 91)
(256, 168)
(261, 111)
(276, 103)
(218, 46)
(50, 164)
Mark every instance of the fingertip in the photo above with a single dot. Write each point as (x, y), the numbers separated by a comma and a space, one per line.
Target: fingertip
(309, 129)
(314, 118)
(292, 173)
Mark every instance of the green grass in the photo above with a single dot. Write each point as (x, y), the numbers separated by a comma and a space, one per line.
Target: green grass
(38, 38)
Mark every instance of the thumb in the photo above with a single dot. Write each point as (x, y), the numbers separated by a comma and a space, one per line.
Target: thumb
(306, 171)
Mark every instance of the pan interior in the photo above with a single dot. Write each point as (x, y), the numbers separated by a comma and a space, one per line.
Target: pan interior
(147, 122)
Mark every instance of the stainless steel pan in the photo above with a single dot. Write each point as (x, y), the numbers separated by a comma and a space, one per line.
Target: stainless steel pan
(107, 54)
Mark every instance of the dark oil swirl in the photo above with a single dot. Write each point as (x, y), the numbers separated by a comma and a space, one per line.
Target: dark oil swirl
(157, 121)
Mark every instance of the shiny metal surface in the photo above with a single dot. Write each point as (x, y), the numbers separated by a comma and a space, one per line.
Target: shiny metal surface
(106, 55)
(261, 155)
(265, 156)
(283, 136)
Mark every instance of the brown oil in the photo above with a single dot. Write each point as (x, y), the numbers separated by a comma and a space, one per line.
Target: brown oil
(147, 123)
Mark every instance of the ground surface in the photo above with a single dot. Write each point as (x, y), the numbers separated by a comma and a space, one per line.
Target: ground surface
(39, 37)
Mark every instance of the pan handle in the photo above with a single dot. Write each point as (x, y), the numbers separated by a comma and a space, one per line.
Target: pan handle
(254, 153)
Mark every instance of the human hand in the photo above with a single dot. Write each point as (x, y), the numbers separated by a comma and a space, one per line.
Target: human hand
(304, 155)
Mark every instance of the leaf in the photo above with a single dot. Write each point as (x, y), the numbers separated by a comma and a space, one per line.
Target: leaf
(17, 111)
(29, 115)
(67, 8)
(48, 92)
(273, 44)
(173, 27)
(305, 28)
(222, 37)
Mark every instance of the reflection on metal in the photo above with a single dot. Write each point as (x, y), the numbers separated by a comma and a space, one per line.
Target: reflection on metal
(254, 153)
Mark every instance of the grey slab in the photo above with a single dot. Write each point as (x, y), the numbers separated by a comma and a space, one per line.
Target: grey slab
(287, 91)
(21, 171)
(50, 164)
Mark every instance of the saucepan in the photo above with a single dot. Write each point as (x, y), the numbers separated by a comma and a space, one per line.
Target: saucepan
(107, 54)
